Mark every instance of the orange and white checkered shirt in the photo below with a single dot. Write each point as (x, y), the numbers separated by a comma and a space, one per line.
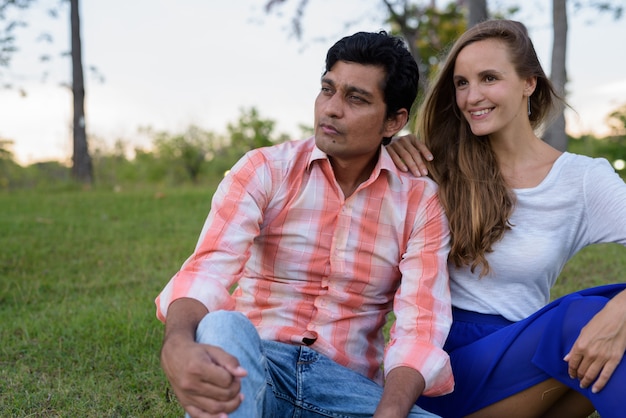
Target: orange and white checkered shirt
(314, 266)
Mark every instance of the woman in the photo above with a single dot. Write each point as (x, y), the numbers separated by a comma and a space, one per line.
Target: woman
(518, 210)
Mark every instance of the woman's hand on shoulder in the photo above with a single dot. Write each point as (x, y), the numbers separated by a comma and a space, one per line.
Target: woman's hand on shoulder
(409, 154)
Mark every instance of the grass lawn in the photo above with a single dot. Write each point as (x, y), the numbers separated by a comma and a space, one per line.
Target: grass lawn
(78, 275)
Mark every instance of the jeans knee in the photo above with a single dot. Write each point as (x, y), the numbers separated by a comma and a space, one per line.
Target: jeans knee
(223, 325)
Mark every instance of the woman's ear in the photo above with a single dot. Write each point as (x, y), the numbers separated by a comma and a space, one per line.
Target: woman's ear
(530, 86)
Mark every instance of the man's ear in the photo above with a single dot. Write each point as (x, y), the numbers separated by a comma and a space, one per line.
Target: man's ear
(395, 123)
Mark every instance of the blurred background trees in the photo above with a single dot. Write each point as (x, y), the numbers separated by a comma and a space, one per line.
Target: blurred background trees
(196, 155)
(430, 29)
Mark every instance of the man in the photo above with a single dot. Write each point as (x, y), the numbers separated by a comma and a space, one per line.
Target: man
(323, 237)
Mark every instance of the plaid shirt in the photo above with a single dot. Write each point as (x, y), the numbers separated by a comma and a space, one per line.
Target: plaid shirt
(312, 266)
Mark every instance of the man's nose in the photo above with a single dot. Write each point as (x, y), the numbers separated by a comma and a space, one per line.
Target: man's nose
(334, 106)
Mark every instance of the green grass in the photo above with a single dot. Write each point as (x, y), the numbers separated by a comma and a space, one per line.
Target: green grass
(79, 271)
(78, 275)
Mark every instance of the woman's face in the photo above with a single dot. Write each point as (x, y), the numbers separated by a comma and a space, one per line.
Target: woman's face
(489, 92)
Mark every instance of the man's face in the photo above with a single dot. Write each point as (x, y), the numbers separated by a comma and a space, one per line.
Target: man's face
(350, 110)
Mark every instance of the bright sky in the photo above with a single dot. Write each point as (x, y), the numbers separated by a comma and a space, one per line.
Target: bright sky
(168, 64)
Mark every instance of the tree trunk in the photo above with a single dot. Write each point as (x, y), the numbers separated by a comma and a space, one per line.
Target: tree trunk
(555, 134)
(82, 169)
(477, 12)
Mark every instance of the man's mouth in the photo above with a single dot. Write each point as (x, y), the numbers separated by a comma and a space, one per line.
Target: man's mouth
(329, 129)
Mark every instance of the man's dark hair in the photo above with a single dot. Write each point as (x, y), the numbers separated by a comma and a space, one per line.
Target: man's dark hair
(389, 52)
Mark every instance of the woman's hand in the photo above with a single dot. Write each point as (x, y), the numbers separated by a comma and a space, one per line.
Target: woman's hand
(599, 348)
(408, 154)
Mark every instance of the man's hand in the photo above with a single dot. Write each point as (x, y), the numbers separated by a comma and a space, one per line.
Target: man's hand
(599, 348)
(205, 379)
(403, 386)
(408, 154)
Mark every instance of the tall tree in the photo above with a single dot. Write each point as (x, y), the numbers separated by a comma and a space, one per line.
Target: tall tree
(477, 11)
(427, 30)
(555, 134)
(82, 169)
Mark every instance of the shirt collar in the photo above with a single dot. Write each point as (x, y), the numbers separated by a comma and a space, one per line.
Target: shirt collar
(385, 163)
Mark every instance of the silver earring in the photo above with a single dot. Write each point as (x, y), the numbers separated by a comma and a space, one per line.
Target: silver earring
(529, 112)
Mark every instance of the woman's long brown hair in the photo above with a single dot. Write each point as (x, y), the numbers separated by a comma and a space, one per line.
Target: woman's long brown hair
(476, 198)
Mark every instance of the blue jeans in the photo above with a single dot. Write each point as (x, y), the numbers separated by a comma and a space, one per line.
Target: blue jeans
(287, 380)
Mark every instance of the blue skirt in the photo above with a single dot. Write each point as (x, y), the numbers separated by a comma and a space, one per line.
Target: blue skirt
(493, 358)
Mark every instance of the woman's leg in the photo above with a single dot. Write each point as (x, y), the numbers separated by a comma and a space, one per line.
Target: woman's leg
(569, 405)
(520, 367)
(550, 399)
(570, 318)
(542, 345)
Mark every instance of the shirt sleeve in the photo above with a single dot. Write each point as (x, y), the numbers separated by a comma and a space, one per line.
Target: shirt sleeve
(223, 247)
(605, 198)
(422, 305)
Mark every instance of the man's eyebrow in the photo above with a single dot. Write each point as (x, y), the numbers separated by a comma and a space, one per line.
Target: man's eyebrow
(349, 88)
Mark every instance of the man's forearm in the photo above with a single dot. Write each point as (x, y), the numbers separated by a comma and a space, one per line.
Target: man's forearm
(183, 317)
(402, 388)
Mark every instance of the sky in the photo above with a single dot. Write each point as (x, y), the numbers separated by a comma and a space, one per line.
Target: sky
(169, 64)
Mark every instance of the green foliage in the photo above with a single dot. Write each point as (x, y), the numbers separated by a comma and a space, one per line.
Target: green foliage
(612, 148)
(250, 132)
(5, 149)
(184, 155)
(7, 165)
(42, 175)
(195, 156)
(435, 31)
(617, 120)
